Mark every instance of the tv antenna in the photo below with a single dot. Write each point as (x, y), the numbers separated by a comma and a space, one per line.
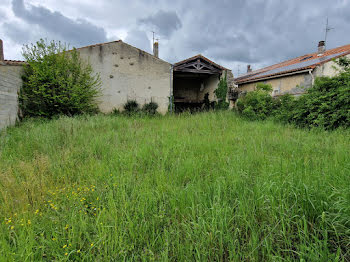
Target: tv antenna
(154, 37)
(327, 30)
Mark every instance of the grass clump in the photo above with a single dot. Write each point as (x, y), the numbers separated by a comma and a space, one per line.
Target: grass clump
(150, 108)
(131, 107)
(204, 187)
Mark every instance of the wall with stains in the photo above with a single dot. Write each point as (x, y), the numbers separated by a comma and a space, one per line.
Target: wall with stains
(129, 73)
(295, 84)
(327, 69)
(10, 83)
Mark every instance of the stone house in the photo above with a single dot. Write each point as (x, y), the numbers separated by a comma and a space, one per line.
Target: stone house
(128, 73)
(296, 75)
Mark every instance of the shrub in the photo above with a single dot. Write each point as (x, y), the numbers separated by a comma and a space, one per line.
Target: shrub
(284, 108)
(257, 104)
(221, 94)
(150, 108)
(56, 82)
(131, 107)
(325, 105)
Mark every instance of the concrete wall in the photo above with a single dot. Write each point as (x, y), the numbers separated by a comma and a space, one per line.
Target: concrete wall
(10, 83)
(129, 73)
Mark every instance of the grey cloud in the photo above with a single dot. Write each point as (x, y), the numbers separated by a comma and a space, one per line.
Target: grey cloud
(231, 32)
(17, 32)
(164, 22)
(76, 32)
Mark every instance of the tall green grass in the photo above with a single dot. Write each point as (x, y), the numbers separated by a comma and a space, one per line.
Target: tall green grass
(205, 187)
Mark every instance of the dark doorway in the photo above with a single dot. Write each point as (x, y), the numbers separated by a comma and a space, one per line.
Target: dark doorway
(193, 79)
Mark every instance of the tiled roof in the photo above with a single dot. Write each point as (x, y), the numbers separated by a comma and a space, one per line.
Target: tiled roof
(202, 57)
(309, 61)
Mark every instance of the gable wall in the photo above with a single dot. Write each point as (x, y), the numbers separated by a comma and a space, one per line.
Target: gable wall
(129, 73)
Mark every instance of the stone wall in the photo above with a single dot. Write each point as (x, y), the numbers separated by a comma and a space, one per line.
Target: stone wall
(10, 83)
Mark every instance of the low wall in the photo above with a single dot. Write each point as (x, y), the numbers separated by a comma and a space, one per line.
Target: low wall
(10, 83)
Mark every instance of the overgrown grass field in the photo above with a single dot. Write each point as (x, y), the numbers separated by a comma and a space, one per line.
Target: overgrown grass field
(205, 187)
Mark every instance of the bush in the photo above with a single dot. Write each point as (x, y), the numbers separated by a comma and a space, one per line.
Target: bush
(325, 105)
(221, 94)
(131, 107)
(258, 104)
(56, 82)
(150, 108)
(284, 108)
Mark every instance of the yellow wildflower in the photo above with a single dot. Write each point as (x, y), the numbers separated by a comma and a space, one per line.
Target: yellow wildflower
(37, 211)
(64, 246)
(29, 222)
(92, 244)
(12, 227)
(78, 251)
(66, 254)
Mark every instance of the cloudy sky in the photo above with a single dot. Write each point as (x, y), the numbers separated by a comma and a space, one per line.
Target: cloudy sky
(233, 33)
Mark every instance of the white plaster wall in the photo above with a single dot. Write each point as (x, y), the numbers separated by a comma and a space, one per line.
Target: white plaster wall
(10, 83)
(129, 73)
(327, 69)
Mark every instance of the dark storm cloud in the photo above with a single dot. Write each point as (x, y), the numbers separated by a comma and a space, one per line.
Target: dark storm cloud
(230, 32)
(76, 32)
(164, 22)
(259, 32)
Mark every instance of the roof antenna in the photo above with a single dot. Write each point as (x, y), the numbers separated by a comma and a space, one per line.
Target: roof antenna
(154, 33)
(327, 30)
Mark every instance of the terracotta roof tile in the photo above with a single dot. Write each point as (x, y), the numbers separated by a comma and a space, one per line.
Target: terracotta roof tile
(297, 64)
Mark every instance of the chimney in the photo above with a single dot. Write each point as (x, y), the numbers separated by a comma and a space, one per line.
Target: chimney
(156, 49)
(249, 69)
(1, 51)
(321, 47)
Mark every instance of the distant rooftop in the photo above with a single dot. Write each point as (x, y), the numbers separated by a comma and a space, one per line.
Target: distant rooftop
(309, 61)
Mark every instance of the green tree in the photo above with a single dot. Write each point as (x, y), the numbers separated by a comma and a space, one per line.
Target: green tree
(221, 94)
(56, 82)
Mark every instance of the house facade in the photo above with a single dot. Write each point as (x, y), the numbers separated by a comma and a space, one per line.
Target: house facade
(296, 75)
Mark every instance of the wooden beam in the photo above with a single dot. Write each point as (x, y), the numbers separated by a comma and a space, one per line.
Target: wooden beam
(211, 72)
